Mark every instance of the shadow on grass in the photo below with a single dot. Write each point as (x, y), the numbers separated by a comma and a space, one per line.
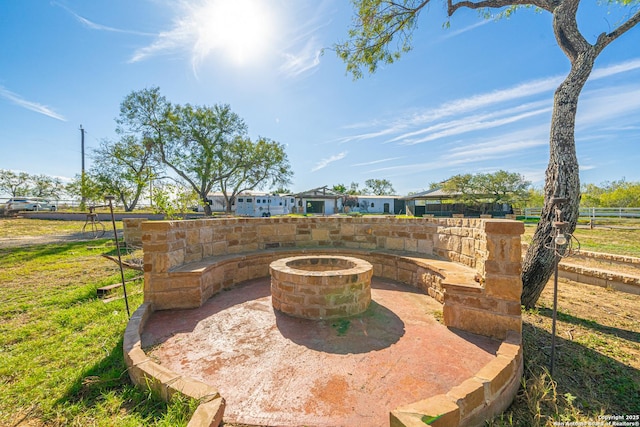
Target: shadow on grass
(109, 377)
(31, 252)
(600, 384)
(590, 324)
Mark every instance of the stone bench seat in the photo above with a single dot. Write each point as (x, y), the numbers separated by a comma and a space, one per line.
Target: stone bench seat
(197, 281)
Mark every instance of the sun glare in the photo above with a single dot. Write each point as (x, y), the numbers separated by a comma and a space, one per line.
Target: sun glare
(240, 29)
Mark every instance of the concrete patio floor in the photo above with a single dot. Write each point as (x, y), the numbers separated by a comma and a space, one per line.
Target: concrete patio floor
(277, 370)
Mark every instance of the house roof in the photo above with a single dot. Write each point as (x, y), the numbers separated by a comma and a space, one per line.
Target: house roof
(327, 193)
(373, 196)
(433, 194)
(319, 193)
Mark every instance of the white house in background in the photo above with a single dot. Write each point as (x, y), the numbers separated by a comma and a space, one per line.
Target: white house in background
(263, 204)
(392, 205)
(324, 201)
(319, 201)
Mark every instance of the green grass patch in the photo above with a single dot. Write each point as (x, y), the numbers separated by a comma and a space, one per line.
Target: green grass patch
(61, 360)
(15, 227)
(600, 239)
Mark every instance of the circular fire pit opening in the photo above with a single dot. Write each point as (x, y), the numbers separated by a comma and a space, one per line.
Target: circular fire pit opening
(321, 286)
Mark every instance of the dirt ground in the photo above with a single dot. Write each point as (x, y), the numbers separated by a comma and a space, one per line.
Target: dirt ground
(590, 313)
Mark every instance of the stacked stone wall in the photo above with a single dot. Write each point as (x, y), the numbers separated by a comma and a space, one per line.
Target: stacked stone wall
(132, 228)
(496, 307)
(187, 262)
(455, 239)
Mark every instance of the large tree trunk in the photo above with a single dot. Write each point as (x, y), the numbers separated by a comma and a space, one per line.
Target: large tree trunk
(562, 176)
(562, 180)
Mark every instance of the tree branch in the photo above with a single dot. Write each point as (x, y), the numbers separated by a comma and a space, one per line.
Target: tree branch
(496, 4)
(605, 39)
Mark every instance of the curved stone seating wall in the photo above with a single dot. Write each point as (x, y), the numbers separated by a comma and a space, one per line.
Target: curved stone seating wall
(187, 262)
(472, 266)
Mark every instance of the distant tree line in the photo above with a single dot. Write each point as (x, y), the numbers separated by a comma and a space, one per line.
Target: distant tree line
(619, 194)
(24, 184)
(512, 188)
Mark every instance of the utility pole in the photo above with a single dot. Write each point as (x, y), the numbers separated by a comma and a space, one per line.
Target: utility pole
(82, 146)
(83, 199)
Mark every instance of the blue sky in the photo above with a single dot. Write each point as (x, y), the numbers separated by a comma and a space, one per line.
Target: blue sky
(473, 98)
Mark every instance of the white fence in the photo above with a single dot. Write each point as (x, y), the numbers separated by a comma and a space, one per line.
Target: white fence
(589, 213)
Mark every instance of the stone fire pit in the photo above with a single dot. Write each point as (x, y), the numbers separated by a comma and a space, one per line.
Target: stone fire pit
(321, 286)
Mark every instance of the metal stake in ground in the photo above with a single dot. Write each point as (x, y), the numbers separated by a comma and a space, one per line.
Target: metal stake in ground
(562, 247)
(115, 234)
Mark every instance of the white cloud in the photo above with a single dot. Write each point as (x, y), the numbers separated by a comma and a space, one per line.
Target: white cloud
(602, 107)
(490, 150)
(94, 26)
(455, 33)
(456, 109)
(165, 42)
(495, 147)
(301, 48)
(305, 60)
(372, 135)
(431, 124)
(475, 122)
(614, 69)
(472, 124)
(29, 105)
(326, 162)
(375, 162)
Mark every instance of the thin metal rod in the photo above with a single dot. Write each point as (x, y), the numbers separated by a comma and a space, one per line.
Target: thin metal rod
(555, 310)
(115, 233)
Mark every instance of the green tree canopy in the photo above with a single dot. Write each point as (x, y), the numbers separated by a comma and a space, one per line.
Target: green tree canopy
(124, 169)
(379, 187)
(339, 188)
(25, 184)
(14, 183)
(85, 187)
(497, 187)
(618, 194)
(46, 186)
(205, 146)
(354, 189)
(250, 165)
